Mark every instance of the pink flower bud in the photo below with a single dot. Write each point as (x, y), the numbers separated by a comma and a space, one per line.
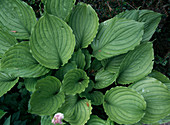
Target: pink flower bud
(57, 118)
(14, 31)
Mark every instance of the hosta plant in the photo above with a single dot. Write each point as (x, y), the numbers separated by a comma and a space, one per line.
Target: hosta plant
(71, 63)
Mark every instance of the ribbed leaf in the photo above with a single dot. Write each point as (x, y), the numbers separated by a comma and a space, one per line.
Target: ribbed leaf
(84, 22)
(17, 18)
(151, 20)
(47, 97)
(79, 58)
(129, 14)
(87, 59)
(2, 113)
(30, 84)
(165, 120)
(75, 81)
(46, 120)
(95, 66)
(52, 42)
(137, 64)
(157, 98)
(117, 36)
(89, 88)
(59, 8)
(6, 82)
(6, 41)
(95, 120)
(104, 78)
(124, 105)
(19, 62)
(109, 122)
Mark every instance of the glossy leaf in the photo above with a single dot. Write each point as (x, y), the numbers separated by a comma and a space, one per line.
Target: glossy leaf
(17, 18)
(157, 98)
(117, 36)
(6, 41)
(75, 81)
(137, 64)
(95, 120)
(6, 82)
(47, 97)
(124, 105)
(59, 8)
(84, 27)
(19, 62)
(52, 42)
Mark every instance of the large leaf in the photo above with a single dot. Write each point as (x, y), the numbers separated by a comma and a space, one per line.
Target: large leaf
(157, 98)
(46, 120)
(129, 14)
(84, 22)
(117, 36)
(6, 82)
(137, 64)
(59, 8)
(6, 41)
(19, 62)
(52, 42)
(17, 18)
(124, 105)
(30, 84)
(165, 120)
(95, 120)
(75, 81)
(47, 97)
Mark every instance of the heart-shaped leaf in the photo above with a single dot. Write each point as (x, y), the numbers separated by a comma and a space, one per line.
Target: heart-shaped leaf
(6, 41)
(59, 8)
(117, 36)
(19, 62)
(137, 64)
(157, 97)
(84, 27)
(52, 42)
(124, 105)
(17, 18)
(47, 97)
(75, 81)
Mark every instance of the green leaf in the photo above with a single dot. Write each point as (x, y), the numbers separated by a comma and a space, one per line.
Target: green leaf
(84, 22)
(79, 58)
(137, 64)
(52, 42)
(6, 82)
(87, 58)
(124, 105)
(117, 36)
(75, 81)
(95, 66)
(2, 113)
(89, 88)
(6, 41)
(95, 120)
(104, 78)
(17, 18)
(109, 122)
(157, 97)
(129, 14)
(19, 62)
(46, 120)
(47, 97)
(151, 20)
(165, 120)
(7, 121)
(96, 97)
(63, 70)
(30, 84)
(59, 8)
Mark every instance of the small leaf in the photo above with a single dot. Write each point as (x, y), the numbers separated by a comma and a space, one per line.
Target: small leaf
(84, 27)
(17, 18)
(47, 97)
(30, 84)
(95, 66)
(95, 120)
(157, 98)
(6, 82)
(46, 120)
(7, 121)
(2, 113)
(52, 42)
(59, 8)
(75, 81)
(19, 62)
(96, 97)
(124, 105)
(117, 36)
(6, 41)
(87, 58)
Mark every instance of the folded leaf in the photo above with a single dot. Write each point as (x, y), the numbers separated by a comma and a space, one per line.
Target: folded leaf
(52, 42)
(59, 8)
(157, 98)
(47, 97)
(117, 36)
(137, 64)
(6, 41)
(124, 105)
(87, 58)
(19, 62)
(17, 18)
(84, 22)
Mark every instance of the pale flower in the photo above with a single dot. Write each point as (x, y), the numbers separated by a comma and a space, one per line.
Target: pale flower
(57, 118)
